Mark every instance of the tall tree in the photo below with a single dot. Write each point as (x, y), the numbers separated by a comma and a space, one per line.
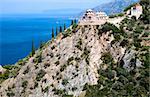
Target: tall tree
(72, 22)
(41, 44)
(60, 29)
(53, 36)
(64, 27)
(75, 21)
(56, 31)
(33, 48)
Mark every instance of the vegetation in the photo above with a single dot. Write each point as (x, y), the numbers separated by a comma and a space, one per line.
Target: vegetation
(116, 15)
(33, 48)
(24, 84)
(64, 27)
(79, 45)
(56, 31)
(109, 27)
(64, 82)
(129, 7)
(145, 17)
(60, 29)
(40, 75)
(53, 36)
(107, 58)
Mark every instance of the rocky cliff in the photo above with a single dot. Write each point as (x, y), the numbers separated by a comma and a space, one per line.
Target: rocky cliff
(85, 61)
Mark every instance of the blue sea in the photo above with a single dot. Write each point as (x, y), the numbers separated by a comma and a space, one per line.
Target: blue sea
(16, 35)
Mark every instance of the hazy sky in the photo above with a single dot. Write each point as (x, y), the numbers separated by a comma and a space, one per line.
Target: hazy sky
(38, 6)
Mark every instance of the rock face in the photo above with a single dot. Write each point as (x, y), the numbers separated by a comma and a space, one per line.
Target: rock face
(67, 65)
(84, 61)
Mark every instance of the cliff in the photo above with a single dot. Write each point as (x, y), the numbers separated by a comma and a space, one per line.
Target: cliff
(85, 61)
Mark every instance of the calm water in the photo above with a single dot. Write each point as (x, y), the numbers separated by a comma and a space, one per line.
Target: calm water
(16, 35)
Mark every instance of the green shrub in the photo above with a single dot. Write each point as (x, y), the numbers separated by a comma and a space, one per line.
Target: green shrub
(64, 82)
(57, 63)
(146, 34)
(10, 94)
(117, 37)
(63, 67)
(24, 84)
(27, 70)
(9, 67)
(110, 27)
(35, 85)
(129, 7)
(107, 58)
(138, 30)
(124, 43)
(46, 89)
(40, 75)
(79, 44)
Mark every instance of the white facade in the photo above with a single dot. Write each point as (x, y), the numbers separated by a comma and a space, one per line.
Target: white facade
(136, 11)
(93, 18)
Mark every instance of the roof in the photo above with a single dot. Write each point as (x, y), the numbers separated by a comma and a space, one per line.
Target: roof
(89, 10)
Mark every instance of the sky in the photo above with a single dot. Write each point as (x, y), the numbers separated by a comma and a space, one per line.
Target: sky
(40, 6)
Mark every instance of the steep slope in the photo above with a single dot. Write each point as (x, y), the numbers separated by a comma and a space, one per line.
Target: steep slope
(115, 6)
(85, 61)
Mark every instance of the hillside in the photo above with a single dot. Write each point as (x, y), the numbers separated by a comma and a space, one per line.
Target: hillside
(86, 61)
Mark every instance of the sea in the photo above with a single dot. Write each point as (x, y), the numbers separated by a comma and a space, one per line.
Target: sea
(17, 34)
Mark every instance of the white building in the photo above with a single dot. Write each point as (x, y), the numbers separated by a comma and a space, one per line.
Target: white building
(93, 18)
(136, 11)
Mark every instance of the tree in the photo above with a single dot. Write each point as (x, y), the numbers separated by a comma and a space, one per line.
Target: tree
(56, 31)
(64, 27)
(72, 22)
(60, 29)
(53, 33)
(75, 21)
(41, 44)
(33, 48)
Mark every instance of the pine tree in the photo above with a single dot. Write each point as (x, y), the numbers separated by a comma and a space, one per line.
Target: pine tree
(64, 27)
(60, 29)
(53, 36)
(33, 48)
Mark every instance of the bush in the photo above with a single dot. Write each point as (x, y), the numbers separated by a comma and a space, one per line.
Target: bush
(110, 27)
(46, 89)
(79, 44)
(63, 67)
(129, 7)
(124, 43)
(10, 94)
(27, 70)
(24, 84)
(64, 82)
(116, 15)
(40, 75)
(107, 58)
(57, 63)
(138, 30)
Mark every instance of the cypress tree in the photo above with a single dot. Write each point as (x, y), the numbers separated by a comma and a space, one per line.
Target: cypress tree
(64, 27)
(53, 33)
(75, 21)
(41, 44)
(56, 31)
(60, 29)
(72, 22)
(33, 48)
